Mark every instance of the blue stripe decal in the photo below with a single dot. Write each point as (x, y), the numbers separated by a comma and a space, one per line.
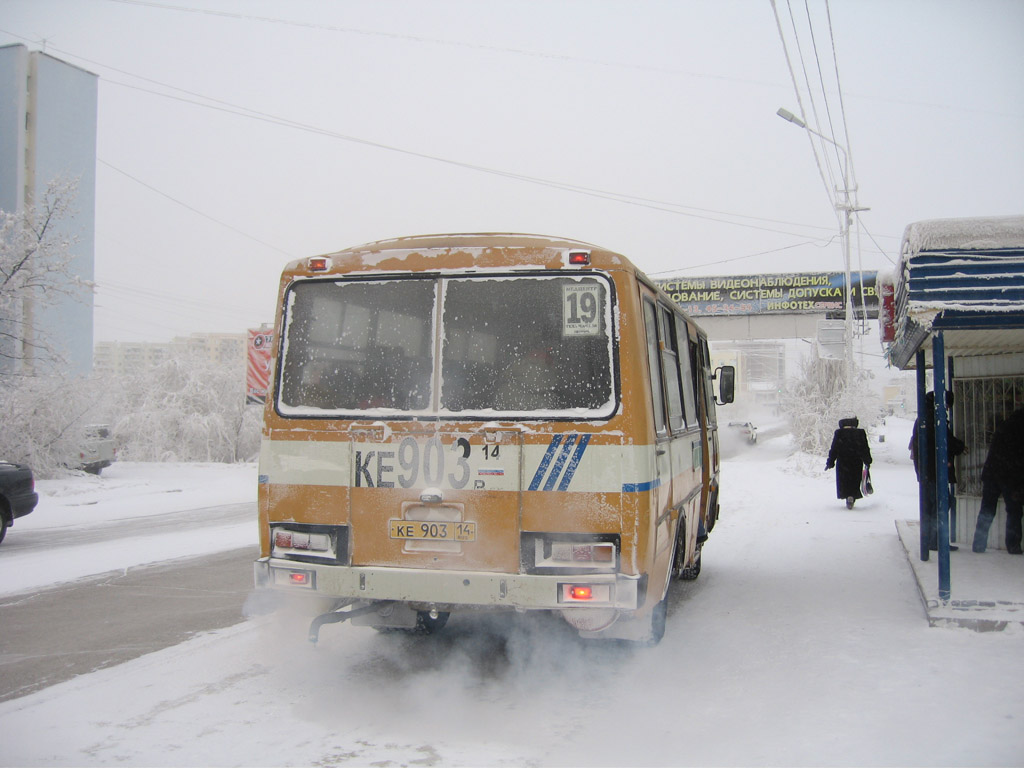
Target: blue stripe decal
(650, 485)
(563, 456)
(571, 469)
(544, 462)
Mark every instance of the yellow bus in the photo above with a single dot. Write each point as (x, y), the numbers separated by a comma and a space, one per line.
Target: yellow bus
(485, 421)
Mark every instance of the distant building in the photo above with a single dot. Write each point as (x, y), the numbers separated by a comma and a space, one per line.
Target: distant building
(900, 396)
(227, 348)
(760, 370)
(48, 131)
(118, 358)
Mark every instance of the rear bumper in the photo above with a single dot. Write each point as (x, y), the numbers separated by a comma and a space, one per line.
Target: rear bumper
(23, 504)
(454, 588)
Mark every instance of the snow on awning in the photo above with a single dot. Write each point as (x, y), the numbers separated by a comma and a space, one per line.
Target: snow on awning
(963, 275)
(974, 234)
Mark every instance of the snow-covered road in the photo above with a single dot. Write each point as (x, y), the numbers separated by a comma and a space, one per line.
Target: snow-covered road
(802, 643)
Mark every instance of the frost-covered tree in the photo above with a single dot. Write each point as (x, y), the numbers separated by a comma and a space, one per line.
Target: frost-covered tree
(187, 408)
(35, 271)
(815, 401)
(43, 418)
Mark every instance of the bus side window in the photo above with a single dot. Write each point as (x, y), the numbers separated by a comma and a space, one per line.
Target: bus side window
(709, 391)
(686, 378)
(699, 379)
(654, 365)
(670, 369)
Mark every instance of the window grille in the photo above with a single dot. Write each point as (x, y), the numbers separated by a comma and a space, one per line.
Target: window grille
(979, 406)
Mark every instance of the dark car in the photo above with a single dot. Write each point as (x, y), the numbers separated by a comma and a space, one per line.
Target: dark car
(18, 494)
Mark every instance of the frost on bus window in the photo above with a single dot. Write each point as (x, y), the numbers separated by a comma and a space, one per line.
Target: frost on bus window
(358, 345)
(525, 344)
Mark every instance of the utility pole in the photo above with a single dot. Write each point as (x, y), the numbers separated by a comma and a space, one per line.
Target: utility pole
(848, 208)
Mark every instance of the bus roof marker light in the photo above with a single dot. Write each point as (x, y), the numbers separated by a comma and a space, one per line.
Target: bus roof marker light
(579, 258)
(317, 264)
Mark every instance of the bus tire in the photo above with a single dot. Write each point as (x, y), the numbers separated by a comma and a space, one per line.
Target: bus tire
(692, 571)
(680, 569)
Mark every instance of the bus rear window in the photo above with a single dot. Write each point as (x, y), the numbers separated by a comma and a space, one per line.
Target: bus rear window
(512, 345)
(357, 345)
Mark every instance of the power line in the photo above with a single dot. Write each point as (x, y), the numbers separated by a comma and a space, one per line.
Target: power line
(824, 93)
(241, 111)
(747, 256)
(421, 39)
(189, 207)
(230, 108)
(881, 250)
(810, 95)
(799, 101)
(842, 106)
(660, 205)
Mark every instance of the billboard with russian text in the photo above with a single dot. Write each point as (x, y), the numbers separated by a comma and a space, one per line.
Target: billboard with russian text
(788, 293)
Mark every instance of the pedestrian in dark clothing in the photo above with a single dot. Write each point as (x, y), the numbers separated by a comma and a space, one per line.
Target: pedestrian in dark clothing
(926, 470)
(849, 454)
(1003, 475)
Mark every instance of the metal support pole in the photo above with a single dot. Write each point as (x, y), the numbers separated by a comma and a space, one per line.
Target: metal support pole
(950, 375)
(941, 462)
(847, 287)
(922, 457)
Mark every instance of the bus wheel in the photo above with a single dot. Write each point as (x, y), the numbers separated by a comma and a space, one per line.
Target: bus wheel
(692, 571)
(679, 553)
(428, 626)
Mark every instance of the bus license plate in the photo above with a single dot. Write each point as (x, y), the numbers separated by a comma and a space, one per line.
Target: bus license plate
(423, 530)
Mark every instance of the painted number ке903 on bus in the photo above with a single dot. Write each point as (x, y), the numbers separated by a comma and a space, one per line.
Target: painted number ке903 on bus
(485, 422)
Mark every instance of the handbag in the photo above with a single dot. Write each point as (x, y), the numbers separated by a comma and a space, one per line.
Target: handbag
(865, 482)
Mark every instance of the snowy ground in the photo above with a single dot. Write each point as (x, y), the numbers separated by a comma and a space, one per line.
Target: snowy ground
(803, 643)
(124, 491)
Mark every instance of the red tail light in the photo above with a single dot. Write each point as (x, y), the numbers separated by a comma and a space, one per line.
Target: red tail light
(584, 593)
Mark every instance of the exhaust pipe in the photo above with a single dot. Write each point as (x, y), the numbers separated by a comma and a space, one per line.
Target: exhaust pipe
(339, 615)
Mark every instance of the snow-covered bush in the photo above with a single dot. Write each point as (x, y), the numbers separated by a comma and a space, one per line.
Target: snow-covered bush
(187, 408)
(43, 418)
(816, 401)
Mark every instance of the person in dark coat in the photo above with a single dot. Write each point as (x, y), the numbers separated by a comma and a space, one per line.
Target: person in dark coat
(849, 454)
(925, 471)
(1003, 475)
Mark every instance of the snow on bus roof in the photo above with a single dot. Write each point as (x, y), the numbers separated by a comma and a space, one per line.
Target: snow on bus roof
(490, 239)
(525, 249)
(967, 234)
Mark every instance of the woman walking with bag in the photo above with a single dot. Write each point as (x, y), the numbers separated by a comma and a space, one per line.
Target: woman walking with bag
(850, 456)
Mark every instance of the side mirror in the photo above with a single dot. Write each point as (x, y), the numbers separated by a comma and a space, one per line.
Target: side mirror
(726, 376)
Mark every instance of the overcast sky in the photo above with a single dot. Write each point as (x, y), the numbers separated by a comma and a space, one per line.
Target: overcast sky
(234, 136)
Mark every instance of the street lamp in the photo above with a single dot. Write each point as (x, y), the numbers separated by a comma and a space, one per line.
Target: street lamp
(848, 209)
